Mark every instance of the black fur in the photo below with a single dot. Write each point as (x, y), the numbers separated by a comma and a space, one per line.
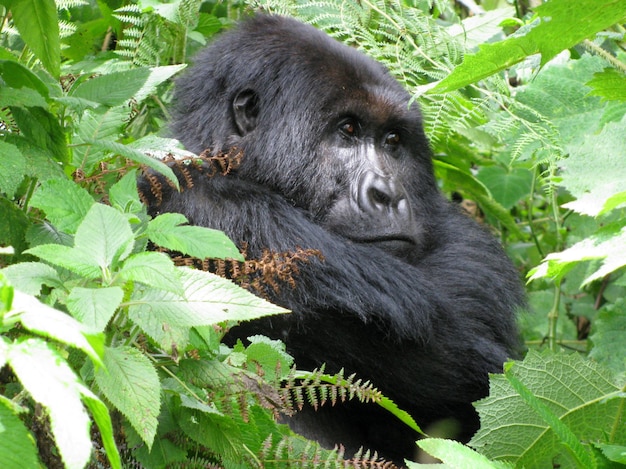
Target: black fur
(410, 294)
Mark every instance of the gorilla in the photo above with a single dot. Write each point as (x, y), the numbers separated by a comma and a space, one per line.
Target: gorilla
(408, 292)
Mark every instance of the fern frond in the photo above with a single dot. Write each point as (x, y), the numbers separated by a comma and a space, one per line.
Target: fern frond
(67, 4)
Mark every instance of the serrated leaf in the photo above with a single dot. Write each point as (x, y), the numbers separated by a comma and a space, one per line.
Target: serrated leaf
(607, 244)
(100, 414)
(153, 269)
(580, 393)
(123, 194)
(94, 307)
(23, 97)
(64, 202)
(105, 235)
(132, 385)
(170, 231)
(595, 191)
(41, 128)
(97, 126)
(208, 299)
(157, 76)
(550, 33)
(36, 20)
(17, 446)
(113, 89)
(454, 455)
(80, 263)
(49, 322)
(51, 382)
(137, 156)
(609, 84)
(17, 76)
(609, 346)
(12, 168)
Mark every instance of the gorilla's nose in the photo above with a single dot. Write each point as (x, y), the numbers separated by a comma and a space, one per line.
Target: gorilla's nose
(381, 194)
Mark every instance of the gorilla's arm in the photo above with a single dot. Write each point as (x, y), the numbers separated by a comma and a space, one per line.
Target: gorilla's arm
(361, 304)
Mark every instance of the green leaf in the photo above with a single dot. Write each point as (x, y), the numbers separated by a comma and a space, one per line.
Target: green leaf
(23, 97)
(17, 76)
(14, 225)
(609, 84)
(582, 455)
(454, 455)
(50, 381)
(36, 20)
(42, 129)
(157, 76)
(550, 33)
(132, 385)
(12, 168)
(609, 346)
(577, 391)
(113, 89)
(603, 188)
(17, 446)
(101, 416)
(137, 156)
(208, 299)
(96, 127)
(607, 244)
(49, 322)
(94, 307)
(153, 269)
(64, 202)
(76, 261)
(123, 194)
(169, 231)
(507, 187)
(104, 235)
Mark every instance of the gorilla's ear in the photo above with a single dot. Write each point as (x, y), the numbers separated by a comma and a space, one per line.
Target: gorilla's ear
(246, 111)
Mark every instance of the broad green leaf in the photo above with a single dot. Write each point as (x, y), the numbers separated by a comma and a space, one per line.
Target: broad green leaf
(580, 393)
(28, 277)
(607, 244)
(17, 446)
(609, 84)
(454, 455)
(12, 168)
(50, 381)
(64, 202)
(14, 225)
(123, 194)
(609, 346)
(601, 189)
(169, 231)
(49, 322)
(132, 385)
(94, 307)
(42, 129)
(208, 299)
(37, 22)
(113, 89)
(96, 127)
(16, 75)
(551, 32)
(507, 187)
(479, 29)
(100, 414)
(157, 76)
(154, 269)
(137, 156)
(79, 262)
(105, 235)
(23, 97)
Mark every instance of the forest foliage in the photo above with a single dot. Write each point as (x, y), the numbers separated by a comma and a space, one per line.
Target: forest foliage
(111, 353)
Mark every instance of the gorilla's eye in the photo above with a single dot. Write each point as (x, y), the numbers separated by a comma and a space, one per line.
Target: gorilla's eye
(348, 128)
(392, 139)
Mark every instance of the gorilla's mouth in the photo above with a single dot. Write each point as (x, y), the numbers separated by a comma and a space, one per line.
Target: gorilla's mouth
(394, 244)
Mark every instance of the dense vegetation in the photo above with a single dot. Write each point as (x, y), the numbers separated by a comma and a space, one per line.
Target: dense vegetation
(110, 354)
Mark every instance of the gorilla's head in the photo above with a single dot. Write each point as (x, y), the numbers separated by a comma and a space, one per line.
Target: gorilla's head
(318, 122)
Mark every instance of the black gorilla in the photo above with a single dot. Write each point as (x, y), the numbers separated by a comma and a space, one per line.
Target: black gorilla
(410, 293)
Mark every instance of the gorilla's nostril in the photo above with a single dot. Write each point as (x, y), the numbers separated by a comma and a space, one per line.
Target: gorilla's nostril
(379, 198)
